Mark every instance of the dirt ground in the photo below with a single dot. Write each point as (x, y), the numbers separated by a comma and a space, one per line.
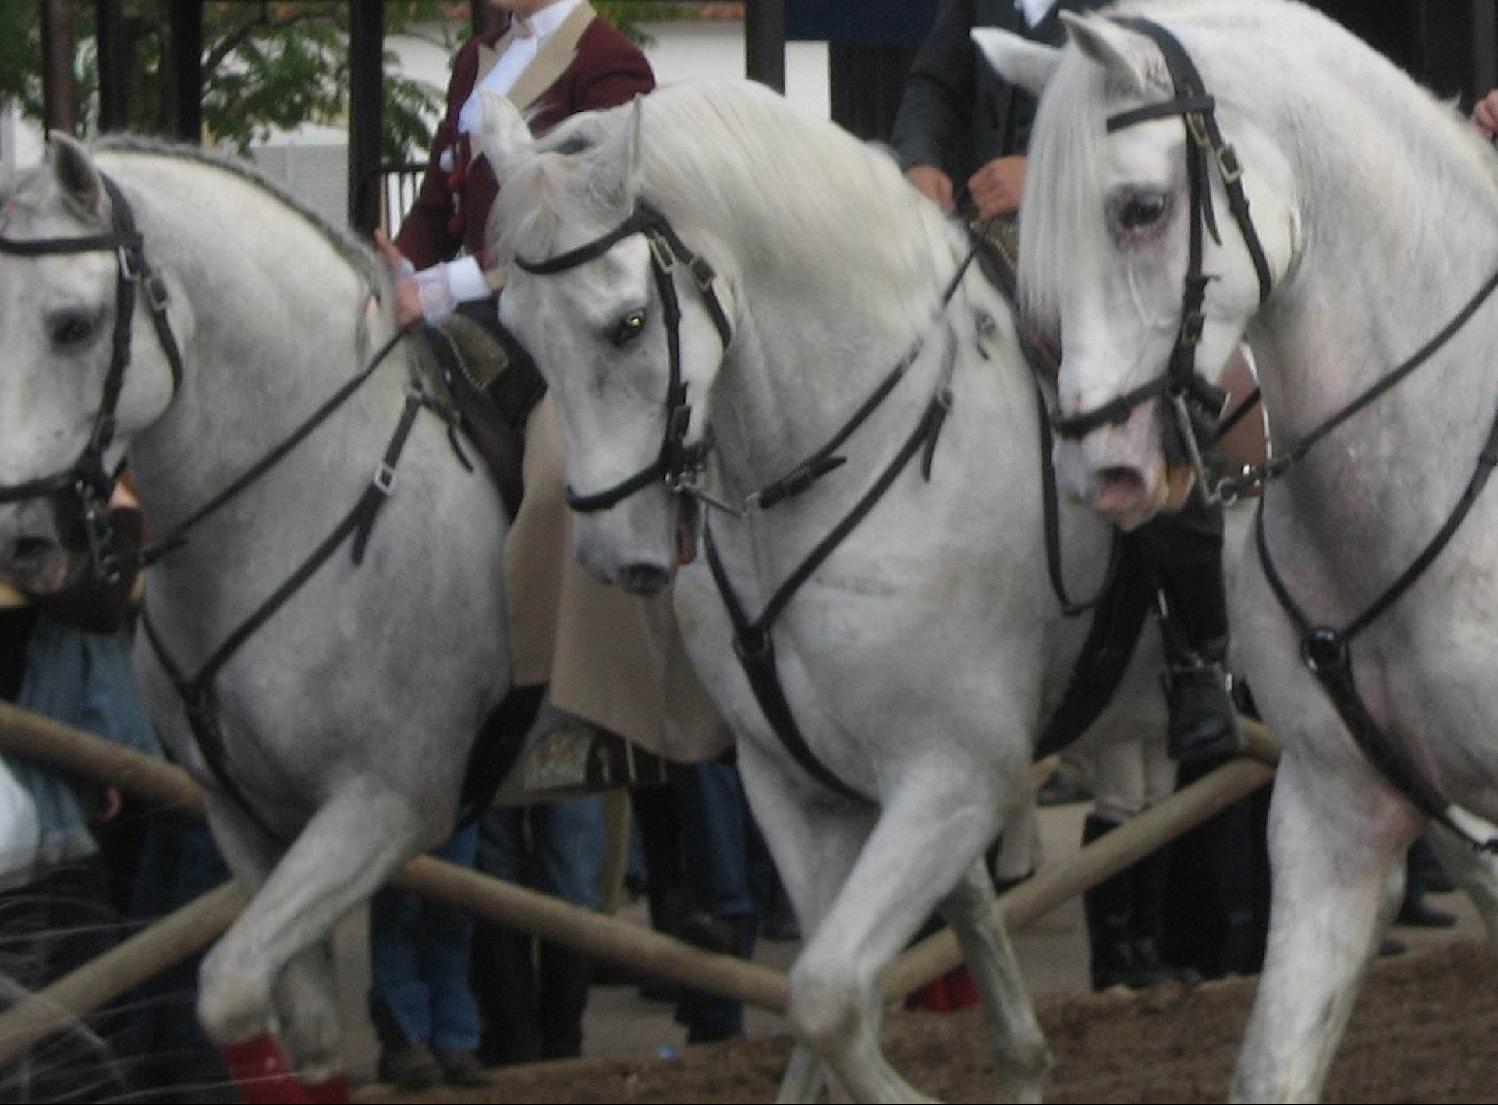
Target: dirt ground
(1425, 1030)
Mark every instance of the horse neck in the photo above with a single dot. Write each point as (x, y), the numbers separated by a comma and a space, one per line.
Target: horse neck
(809, 352)
(1372, 284)
(275, 317)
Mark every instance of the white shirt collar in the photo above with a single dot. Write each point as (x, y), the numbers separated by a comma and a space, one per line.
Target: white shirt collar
(546, 21)
(1034, 10)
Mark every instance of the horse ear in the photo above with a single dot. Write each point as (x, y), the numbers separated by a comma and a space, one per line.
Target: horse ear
(503, 134)
(76, 174)
(1018, 60)
(1129, 57)
(619, 157)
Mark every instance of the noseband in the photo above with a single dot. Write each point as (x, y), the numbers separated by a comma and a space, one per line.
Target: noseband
(679, 464)
(80, 493)
(1196, 402)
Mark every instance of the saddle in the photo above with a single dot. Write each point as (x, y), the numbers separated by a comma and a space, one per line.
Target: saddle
(493, 385)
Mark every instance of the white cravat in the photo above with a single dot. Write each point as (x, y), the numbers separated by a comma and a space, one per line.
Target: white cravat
(1034, 10)
(524, 45)
(445, 285)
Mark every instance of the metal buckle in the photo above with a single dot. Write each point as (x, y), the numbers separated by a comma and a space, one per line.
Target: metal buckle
(156, 293)
(1227, 163)
(1177, 399)
(384, 477)
(661, 250)
(129, 261)
(1323, 649)
(1198, 128)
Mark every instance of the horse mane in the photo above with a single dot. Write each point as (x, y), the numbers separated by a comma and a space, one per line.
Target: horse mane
(731, 162)
(343, 242)
(1321, 67)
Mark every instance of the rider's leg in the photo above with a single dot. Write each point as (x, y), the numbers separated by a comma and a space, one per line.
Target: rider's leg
(1184, 551)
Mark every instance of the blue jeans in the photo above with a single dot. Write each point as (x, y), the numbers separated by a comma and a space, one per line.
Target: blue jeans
(419, 960)
(562, 855)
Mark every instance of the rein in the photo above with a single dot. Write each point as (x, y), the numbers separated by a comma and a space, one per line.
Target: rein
(1326, 651)
(680, 465)
(80, 493)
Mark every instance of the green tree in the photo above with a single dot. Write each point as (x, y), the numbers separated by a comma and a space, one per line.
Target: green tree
(265, 65)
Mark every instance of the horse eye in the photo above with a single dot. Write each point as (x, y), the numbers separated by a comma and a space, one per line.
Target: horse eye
(71, 328)
(1141, 210)
(630, 327)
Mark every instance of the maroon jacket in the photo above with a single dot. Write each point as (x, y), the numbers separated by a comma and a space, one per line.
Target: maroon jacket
(452, 208)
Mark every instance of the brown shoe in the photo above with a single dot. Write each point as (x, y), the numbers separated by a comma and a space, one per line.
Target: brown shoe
(410, 1068)
(461, 1068)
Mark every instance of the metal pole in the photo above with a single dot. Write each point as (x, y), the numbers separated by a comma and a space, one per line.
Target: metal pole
(1484, 47)
(108, 19)
(366, 112)
(764, 42)
(187, 69)
(59, 90)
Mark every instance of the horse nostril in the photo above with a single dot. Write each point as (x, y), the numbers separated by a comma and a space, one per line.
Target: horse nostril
(643, 579)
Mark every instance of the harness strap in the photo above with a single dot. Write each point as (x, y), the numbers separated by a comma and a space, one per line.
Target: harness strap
(997, 264)
(177, 536)
(197, 691)
(1327, 652)
(753, 644)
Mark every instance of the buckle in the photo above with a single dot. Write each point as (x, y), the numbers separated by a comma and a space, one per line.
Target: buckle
(661, 250)
(129, 260)
(1323, 649)
(1228, 164)
(384, 478)
(156, 293)
(1197, 125)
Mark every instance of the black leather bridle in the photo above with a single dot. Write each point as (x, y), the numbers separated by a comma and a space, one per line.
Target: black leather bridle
(1325, 650)
(1196, 403)
(80, 493)
(679, 463)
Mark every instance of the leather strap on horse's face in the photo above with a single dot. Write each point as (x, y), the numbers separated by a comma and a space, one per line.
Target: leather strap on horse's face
(1196, 402)
(679, 462)
(79, 493)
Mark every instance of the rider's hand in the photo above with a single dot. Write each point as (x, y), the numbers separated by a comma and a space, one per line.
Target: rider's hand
(932, 183)
(1485, 115)
(407, 292)
(997, 187)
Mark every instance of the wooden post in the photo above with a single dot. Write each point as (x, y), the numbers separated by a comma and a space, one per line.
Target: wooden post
(764, 42)
(59, 90)
(366, 112)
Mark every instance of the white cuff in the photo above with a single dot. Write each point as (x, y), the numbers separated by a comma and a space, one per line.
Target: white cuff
(466, 280)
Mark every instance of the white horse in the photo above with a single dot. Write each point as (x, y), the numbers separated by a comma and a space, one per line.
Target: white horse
(1371, 238)
(346, 713)
(825, 317)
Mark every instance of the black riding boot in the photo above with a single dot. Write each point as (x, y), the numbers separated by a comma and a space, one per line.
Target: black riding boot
(1151, 880)
(564, 978)
(1185, 553)
(1111, 932)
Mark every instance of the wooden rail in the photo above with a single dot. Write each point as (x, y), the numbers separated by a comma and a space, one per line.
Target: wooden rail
(598, 936)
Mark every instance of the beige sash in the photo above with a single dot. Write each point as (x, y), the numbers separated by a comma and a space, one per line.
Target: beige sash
(550, 62)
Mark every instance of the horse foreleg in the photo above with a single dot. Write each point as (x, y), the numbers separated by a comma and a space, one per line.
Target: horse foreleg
(1024, 1061)
(814, 848)
(923, 842)
(1337, 850)
(350, 846)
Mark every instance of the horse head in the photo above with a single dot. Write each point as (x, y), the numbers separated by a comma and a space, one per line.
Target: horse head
(627, 324)
(90, 359)
(1124, 254)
